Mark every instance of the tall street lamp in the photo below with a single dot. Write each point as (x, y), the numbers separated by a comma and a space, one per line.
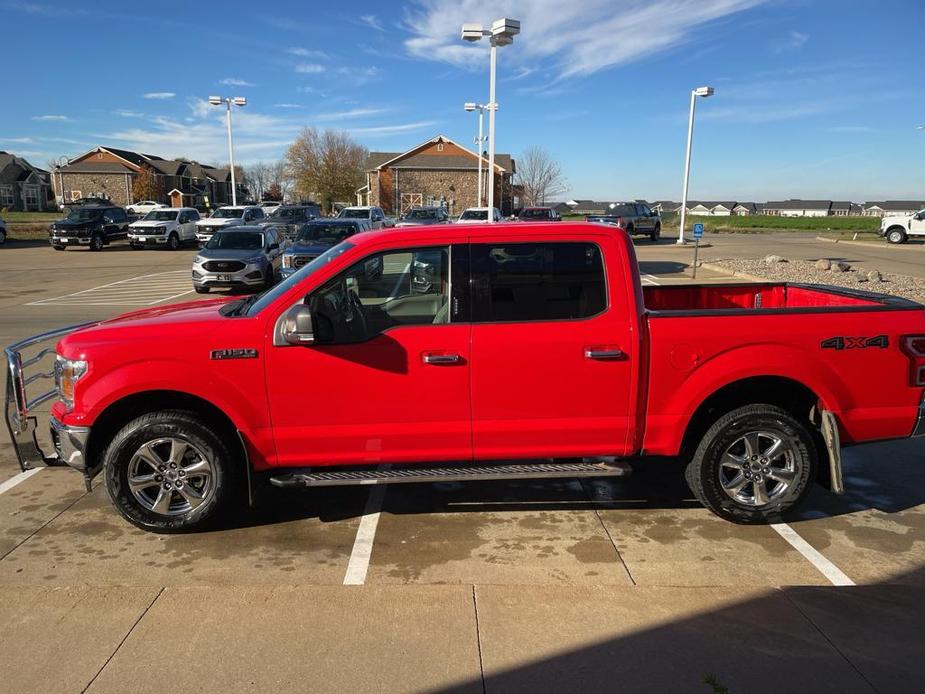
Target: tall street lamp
(479, 141)
(229, 101)
(702, 92)
(502, 33)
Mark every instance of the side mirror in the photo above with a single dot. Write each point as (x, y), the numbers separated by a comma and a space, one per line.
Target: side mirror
(297, 326)
(274, 246)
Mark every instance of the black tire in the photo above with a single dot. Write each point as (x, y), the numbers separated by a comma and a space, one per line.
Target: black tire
(2, 236)
(201, 290)
(657, 232)
(706, 472)
(217, 488)
(173, 241)
(60, 248)
(896, 235)
(96, 242)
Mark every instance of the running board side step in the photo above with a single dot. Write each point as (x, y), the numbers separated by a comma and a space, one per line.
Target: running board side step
(463, 472)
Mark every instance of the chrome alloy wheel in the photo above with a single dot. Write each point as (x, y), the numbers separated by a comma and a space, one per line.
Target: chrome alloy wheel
(170, 476)
(759, 468)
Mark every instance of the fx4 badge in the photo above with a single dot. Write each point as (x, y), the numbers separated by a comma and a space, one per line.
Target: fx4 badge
(881, 341)
(233, 354)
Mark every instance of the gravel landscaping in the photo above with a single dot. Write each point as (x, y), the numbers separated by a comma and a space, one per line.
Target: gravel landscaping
(867, 278)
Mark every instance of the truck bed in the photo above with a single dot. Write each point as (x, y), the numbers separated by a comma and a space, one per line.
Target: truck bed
(774, 297)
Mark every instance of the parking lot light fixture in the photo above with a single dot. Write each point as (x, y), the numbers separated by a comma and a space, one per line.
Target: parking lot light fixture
(479, 141)
(230, 101)
(502, 33)
(703, 92)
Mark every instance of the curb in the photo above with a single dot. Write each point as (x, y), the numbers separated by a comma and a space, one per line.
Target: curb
(869, 244)
(733, 273)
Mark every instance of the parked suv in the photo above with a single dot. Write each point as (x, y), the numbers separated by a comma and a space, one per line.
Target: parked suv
(539, 214)
(632, 217)
(374, 215)
(287, 219)
(225, 217)
(245, 256)
(897, 229)
(315, 238)
(93, 226)
(169, 227)
(423, 216)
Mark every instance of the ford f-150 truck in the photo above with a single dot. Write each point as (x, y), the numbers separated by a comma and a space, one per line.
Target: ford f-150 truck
(531, 351)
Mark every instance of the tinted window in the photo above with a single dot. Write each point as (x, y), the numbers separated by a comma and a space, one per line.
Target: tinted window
(117, 214)
(481, 215)
(348, 213)
(537, 281)
(325, 233)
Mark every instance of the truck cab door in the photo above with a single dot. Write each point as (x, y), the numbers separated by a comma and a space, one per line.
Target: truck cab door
(917, 224)
(554, 349)
(386, 377)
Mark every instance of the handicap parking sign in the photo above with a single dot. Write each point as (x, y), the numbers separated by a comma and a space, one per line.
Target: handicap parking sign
(698, 231)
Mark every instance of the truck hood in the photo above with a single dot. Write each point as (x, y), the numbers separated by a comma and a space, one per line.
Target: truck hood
(64, 225)
(307, 248)
(149, 224)
(147, 326)
(230, 253)
(215, 222)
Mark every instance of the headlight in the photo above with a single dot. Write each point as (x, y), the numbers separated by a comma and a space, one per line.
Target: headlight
(67, 373)
(199, 260)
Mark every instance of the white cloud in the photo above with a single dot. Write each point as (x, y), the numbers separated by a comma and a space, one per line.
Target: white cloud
(353, 113)
(309, 68)
(287, 105)
(18, 140)
(392, 129)
(371, 21)
(359, 75)
(130, 114)
(60, 119)
(574, 39)
(791, 42)
(160, 95)
(235, 82)
(306, 53)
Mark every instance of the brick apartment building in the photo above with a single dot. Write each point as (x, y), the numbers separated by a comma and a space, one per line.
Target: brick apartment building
(110, 173)
(436, 172)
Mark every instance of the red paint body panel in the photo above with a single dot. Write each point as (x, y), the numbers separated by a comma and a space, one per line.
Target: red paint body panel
(520, 390)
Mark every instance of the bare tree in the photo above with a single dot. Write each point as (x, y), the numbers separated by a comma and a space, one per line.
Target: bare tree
(540, 176)
(258, 178)
(329, 164)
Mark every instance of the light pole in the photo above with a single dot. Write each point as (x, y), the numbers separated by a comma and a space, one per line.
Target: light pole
(702, 92)
(502, 33)
(229, 101)
(479, 141)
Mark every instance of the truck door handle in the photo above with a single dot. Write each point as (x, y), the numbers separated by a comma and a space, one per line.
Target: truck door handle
(430, 358)
(604, 353)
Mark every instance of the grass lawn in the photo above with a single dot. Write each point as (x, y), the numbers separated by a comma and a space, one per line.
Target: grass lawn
(759, 224)
(30, 217)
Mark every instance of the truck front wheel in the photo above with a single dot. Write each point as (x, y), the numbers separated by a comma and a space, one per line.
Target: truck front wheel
(896, 235)
(168, 472)
(753, 465)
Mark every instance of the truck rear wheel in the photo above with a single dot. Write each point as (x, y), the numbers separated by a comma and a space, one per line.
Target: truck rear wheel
(169, 472)
(657, 232)
(753, 465)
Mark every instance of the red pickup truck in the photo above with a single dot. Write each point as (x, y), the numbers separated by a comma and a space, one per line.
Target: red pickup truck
(457, 353)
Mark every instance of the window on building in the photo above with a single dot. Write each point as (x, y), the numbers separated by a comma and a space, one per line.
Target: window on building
(31, 197)
(6, 196)
(537, 282)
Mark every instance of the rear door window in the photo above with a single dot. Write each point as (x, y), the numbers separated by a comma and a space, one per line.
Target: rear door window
(537, 282)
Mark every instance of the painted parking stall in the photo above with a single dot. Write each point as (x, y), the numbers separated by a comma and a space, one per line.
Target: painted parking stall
(143, 290)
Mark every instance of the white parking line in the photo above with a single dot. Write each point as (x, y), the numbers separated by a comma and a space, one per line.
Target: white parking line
(18, 479)
(362, 550)
(143, 290)
(835, 575)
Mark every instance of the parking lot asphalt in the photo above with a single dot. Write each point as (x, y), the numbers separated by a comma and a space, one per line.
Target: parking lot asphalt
(597, 585)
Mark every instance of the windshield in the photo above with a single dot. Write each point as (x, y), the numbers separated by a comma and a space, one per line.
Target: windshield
(269, 296)
(534, 214)
(327, 234)
(421, 214)
(160, 216)
(287, 213)
(236, 240)
(83, 214)
(228, 213)
(347, 213)
(619, 211)
(475, 214)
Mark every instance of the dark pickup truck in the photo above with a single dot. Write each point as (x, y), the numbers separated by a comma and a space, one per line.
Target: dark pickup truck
(89, 226)
(633, 217)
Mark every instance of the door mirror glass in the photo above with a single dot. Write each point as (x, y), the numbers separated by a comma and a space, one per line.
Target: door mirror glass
(274, 246)
(297, 328)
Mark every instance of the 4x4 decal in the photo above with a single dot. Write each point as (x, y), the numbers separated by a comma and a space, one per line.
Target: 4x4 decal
(839, 343)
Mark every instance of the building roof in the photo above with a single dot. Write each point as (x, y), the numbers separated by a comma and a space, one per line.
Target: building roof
(19, 169)
(896, 204)
(168, 167)
(376, 160)
(796, 204)
(96, 167)
(710, 204)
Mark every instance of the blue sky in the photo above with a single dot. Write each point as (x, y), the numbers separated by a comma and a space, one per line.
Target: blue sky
(813, 99)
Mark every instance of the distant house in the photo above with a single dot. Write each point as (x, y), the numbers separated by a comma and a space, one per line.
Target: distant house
(562, 208)
(436, 172)
(798, 208)
(666, 207)
(110, 173)
(699, 208)
(23, 187)
(842, 208)
(884, 208)
(588, 206)
(742, 209)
